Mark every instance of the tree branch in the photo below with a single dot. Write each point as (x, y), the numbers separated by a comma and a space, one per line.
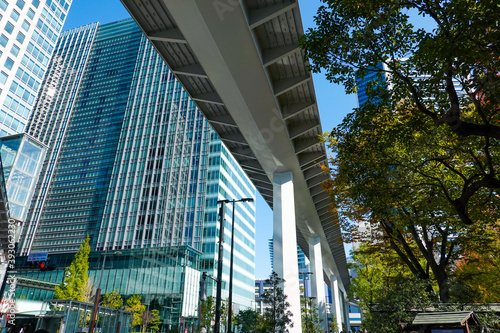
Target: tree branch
(396, 248)
(469, 189)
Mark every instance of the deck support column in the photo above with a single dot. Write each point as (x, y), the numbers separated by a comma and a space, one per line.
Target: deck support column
(285, 244)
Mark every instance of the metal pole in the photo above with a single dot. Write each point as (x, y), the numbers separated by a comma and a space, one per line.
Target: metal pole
(230, 310)
(96, 301)
(218, 297)
(202, 297)
(199, 315)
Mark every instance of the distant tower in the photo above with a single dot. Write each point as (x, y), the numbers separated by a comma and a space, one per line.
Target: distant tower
(303, 261)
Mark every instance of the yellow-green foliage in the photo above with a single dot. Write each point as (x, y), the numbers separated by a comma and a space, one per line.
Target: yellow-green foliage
(135, 305)
(76, 275)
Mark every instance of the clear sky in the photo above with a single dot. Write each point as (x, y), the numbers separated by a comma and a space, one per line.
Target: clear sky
(333, 103)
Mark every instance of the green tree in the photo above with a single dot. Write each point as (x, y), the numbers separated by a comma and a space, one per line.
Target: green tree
(277, 317)
(150, 320)
(377, 268)
(248, 319)
(135, 305)
(224, 311)
(156, 322)
(353, 39)
(477, 273)
(397, 304)
(389, 294)
(76, 276)
(386, 291)
(396, 176)
(112, 300)
(311, 320)
(333, 325)
(207, 312)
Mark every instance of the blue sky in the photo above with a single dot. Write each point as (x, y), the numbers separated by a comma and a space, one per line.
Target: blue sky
(333, 103)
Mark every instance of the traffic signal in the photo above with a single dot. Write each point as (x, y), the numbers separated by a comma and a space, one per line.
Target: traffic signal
(41, 265)
(47, 267)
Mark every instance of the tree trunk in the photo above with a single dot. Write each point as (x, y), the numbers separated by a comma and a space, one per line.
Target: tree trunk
(444, 287)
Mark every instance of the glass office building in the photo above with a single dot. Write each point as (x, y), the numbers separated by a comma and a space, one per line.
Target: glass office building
(379, 78)
(29, 32)
(226, 180)
(20, 164)
(301, 257)
(131, 161)
(166, 278)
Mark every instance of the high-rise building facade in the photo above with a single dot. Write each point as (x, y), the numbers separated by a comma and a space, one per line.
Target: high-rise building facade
(301, 258)
(226, 180)
(131, 161)
(29, 32)
(379, 77)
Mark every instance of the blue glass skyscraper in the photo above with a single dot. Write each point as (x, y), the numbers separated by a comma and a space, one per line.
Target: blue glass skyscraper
(131, 161)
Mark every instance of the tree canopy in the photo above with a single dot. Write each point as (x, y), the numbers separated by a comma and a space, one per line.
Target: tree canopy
(277, 316)
(443, 76)
(311, 320)
(207, 312)
(150, 320)
(249, 320)
(415, 168)
(76, 277)
(399, 176)
(477, 272)
(135, 305)
(112, 300)
(460, 41)
(385, 290)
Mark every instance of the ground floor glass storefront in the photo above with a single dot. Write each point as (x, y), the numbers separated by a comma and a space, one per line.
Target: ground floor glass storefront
(166, 278)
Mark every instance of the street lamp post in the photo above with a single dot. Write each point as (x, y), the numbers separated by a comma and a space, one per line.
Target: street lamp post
(230, 310)
(218, 295)
(219, 267)
(306, 297)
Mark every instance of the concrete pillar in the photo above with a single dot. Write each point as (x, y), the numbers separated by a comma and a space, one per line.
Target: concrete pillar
(317, 282)
(346, 312)
(285, 263)
(337, 310)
